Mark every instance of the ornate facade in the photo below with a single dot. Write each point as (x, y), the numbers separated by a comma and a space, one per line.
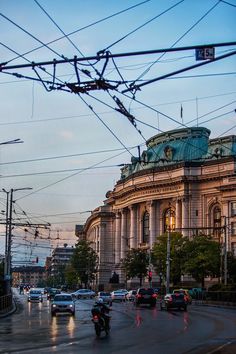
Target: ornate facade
(182, 176)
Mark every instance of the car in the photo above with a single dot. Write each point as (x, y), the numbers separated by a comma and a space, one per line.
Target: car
(63, 303)
(35, 295)
(83, 294)
(118, 295)
(185, 292)
(145, 296)
(106, 296)
(174, 301)
(130, 296)
(52, 292)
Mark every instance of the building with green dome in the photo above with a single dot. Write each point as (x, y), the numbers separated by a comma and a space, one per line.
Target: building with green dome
(183, 174)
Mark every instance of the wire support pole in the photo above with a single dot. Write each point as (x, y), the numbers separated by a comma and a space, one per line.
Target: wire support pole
(225, 253)
(106, 55)
(168, 262)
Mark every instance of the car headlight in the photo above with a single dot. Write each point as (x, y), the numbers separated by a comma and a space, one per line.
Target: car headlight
(54, 305)
(71, 305)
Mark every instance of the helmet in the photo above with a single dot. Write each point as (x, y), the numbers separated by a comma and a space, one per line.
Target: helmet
(99, 300)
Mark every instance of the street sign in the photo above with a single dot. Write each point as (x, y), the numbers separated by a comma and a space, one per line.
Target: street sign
(205, 53)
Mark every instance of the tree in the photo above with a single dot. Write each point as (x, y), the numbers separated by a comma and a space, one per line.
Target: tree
(83, 264)
(136, 264)
(202, 258)
(159, 254)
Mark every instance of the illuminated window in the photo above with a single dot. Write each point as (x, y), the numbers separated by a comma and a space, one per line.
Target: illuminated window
(169, 220)
(145, 236)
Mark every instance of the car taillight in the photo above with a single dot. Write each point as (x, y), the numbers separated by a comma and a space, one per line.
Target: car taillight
(95, 317)
(154, 295)
(185, 298)
(139, 295)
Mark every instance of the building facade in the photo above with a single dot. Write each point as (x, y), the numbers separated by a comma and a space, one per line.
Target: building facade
(28, 275)
(60, 258)
(182, 176)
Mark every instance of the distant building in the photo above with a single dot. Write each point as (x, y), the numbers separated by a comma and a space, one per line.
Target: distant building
(60, 258)
(182, 177)
(32, 275)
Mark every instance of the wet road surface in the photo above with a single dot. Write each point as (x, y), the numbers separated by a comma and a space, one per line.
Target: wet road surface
(201, 330)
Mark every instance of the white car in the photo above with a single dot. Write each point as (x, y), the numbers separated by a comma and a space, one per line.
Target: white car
(106, 296)
(83, 294)
(63, 303)
(35, 295)
(118, 295)
(131, 295)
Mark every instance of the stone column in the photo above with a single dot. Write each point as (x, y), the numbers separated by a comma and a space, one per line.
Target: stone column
(185, 216)
(133, 226)
(117, 237)
(123, 232)
(178, 216)
(152, 224)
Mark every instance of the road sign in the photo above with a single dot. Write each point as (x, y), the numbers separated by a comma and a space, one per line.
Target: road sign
(205, 53)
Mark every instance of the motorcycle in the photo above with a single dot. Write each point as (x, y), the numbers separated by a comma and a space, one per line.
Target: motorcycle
(100, 324)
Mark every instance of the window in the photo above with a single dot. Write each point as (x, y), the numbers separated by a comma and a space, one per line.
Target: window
(216, 221)
(233, 228)
(145, 235)
(169, 219)
(233, 209)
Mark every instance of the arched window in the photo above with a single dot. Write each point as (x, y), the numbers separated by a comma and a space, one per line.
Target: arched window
(145, 235)
(169, 220)
(216, 216)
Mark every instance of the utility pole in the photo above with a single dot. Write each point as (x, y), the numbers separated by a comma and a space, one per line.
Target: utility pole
(225, 253)
(168, 261)
(7, 264)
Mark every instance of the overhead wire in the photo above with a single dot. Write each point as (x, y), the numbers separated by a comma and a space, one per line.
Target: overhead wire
(178, 40)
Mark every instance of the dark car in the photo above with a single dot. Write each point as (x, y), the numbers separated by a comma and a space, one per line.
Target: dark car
(174, 301)
(52, 292)
(145, 296)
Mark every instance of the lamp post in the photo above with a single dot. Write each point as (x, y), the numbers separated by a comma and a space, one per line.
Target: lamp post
(8, 238)
(170, 223)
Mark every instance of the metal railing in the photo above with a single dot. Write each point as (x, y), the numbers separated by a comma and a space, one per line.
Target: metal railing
(6, 303)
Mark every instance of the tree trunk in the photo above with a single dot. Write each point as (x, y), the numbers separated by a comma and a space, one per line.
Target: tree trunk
(203, 282)
(140, 281)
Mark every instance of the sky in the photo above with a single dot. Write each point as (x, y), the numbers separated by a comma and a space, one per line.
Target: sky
(73, 144)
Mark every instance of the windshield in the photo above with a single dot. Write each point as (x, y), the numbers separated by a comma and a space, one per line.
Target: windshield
(63, 298)
(35, 292)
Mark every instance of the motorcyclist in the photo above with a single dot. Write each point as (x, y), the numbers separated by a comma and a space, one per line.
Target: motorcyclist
(103, 310)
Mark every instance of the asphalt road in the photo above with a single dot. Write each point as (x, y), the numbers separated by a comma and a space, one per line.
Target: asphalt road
(144, 330)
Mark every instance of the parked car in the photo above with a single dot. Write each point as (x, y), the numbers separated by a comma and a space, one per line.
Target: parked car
(106, 296)
(63, 303)
(145, 296)
(174, 301)
(35, 295)
(118, 295)
(83, 294)
(130, 296)
(186, 294)
(52, 292)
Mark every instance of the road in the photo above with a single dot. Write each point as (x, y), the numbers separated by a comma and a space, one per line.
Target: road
(201, 330)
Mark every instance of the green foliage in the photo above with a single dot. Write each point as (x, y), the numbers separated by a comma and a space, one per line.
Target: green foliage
(159, 254)
(202, 258)
(136, 264)
(83, 264)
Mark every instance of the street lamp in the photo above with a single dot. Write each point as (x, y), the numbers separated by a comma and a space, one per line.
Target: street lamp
(170, 225)
(7, 265)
